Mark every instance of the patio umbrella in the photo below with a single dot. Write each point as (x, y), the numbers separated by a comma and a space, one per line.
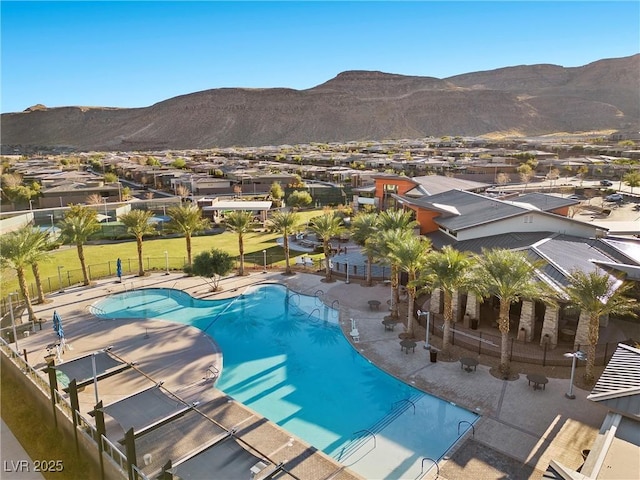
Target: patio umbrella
(119, 269)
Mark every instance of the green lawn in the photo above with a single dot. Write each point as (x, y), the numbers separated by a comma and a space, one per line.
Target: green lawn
(101, 259)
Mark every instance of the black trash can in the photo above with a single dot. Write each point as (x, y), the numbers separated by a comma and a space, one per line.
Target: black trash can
(434, 355)
(474, 324)
(10, 337)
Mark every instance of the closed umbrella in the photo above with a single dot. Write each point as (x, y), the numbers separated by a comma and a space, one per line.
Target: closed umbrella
(57, 322)
(119, 269)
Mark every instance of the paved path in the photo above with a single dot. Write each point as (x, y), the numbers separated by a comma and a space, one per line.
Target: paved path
(522, 426)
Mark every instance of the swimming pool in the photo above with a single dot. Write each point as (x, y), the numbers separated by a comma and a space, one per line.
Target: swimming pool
(284, 356)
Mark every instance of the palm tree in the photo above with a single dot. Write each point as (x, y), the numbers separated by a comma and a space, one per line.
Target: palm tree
(187, 220)
(285, 223)
(40, 253)
(326, 226)
(410, 254)
(240, 222)
(595, 293)
(363, 229)
(78, 224)
(509, 276)
(448, 270)
(398, 221)
(137, 223)
(17, 251)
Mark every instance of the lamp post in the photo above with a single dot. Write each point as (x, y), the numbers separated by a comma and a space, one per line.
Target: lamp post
(50, 215)
(426, 339)
(577, 355)
(31, 205)
(60, 267)
(166, 262)
(104, 199)
(13, 322)
(347, 281)
(264, 258)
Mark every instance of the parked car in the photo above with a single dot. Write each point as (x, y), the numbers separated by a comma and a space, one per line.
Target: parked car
(614, 197)
(606, 183)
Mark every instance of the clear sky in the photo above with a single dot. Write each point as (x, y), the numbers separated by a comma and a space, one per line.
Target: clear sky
(134, 54)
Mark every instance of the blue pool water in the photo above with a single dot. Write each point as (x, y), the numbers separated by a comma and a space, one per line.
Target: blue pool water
(284, 355)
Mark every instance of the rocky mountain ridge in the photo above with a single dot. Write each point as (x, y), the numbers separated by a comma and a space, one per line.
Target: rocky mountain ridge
(355, 105)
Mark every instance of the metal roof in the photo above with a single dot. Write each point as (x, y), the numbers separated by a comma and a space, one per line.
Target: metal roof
(619, 385)
(435, 184)
(544, 202)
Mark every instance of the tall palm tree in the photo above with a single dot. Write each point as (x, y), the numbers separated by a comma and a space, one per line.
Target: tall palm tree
(363, 229)
(286, 223)
(410, 254)
(78, 224)
(40, 253)
(240, 222)
(596, 294)
(137, 223)
(398, 221)
(17, 251)
(326, 226)
(187, 220)
(448, 270)
(509, 276)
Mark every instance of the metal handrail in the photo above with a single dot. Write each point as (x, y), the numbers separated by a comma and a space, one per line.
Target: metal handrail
(473, 429)
(434, 462)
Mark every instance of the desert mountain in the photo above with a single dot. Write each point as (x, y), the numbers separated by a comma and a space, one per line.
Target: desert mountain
(355, 105)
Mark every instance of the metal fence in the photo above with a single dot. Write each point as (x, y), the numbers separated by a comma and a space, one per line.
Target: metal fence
(488, 343)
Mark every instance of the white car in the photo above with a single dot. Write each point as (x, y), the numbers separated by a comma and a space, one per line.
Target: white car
(614, 197)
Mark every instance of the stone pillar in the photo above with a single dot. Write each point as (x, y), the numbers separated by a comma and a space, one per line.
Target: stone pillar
(582, 332)
(434, 304)
(473, 309)
(550, 326)
(526, 320)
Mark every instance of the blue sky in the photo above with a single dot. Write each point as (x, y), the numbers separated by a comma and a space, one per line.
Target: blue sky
(134, 54)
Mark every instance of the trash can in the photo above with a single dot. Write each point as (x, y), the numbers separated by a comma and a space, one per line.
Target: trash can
(10, 337)
(474, 324)
(434, 355)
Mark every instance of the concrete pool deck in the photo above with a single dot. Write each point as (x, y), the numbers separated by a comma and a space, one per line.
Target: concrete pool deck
(519, 431)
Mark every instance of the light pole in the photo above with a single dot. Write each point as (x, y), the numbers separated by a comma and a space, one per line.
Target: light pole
(347, 281)
(50, 215)
(13, 322)
(264, 258)
(579, 355)
(166, 262)
(104, 199)
(426, 339)
(60, 267)
(31, 205)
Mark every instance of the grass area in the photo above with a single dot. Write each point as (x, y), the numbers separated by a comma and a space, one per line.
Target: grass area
(36, 433)
(101, 258)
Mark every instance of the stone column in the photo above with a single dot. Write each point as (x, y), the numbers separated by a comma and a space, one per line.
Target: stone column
(526, 320)
(434, 304)
(550, 326)
(582, 332)
(473, 309)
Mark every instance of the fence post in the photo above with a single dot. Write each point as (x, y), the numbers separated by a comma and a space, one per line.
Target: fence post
(109, 263)
(544, 355)
(68, 278)
(89, 268)
(49, 281)
(480, 343)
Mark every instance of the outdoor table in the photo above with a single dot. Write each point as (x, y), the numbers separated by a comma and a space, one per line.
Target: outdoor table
(539, 381)
(467, 363)
(407, 344)
(389, 323)
(374, 304)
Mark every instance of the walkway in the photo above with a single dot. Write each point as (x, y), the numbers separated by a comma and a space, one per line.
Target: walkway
(520, 429)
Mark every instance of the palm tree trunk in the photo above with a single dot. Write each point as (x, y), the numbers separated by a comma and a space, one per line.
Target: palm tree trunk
(395, 297)
(327, 260)
(24, 289)
(594, 325)
(140, 264)
(85, 274)
(188, 240)
(448, 315)
(36, 275)
(411, 293)
(503, 323)
(241, 250)
(287, 263)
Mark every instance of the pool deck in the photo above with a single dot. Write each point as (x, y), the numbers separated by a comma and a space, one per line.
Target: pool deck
(519, 432)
